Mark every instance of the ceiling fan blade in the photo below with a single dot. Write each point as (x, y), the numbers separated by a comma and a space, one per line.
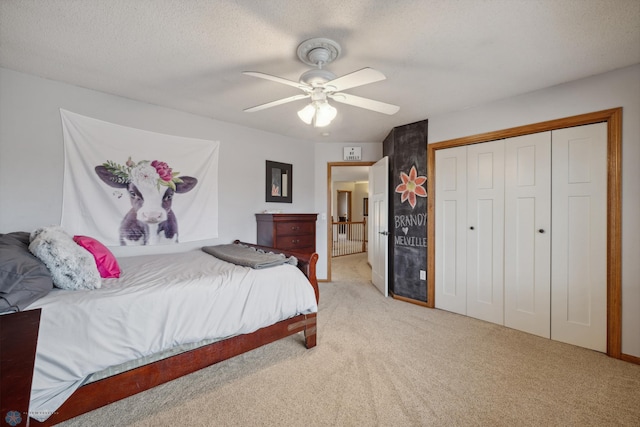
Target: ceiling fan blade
(357, 78)
(369, 104)
(277, 79)
(278, 102)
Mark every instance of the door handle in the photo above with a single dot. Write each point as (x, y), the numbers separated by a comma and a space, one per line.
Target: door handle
(384, 233)
(471, 228)
(541, 231)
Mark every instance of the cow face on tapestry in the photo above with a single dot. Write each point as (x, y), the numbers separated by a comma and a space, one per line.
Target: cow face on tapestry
(150, 186)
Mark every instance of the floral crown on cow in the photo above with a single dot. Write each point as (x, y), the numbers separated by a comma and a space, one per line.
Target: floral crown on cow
(144, 172)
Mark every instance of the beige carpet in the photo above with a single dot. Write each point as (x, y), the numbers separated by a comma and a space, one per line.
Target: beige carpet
(385, 362)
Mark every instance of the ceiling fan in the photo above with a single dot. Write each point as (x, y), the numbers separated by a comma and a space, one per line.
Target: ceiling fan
(319, 85)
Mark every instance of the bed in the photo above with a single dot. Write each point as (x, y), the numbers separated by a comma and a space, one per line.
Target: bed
(168, 315)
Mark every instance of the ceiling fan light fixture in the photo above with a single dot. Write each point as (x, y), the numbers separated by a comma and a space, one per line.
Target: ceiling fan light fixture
(318, 113)
(307, 113)
(325, 113)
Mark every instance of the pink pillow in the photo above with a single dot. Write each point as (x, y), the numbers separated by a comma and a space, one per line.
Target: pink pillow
(106, 262)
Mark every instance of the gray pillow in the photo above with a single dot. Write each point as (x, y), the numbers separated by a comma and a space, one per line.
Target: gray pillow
(23, 277)
(71, 266)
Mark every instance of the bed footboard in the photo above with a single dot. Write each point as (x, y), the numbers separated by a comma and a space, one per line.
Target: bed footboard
(18, 340)
(108, 390)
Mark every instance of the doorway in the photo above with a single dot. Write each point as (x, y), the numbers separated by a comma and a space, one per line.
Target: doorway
(344, 172)
(344, 210)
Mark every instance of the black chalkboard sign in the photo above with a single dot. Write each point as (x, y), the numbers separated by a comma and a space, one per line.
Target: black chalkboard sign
(408, 210)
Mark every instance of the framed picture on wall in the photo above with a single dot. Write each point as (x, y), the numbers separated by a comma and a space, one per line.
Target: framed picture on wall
(279, 182)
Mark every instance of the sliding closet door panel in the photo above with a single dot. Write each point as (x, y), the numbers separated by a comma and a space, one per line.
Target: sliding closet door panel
(527, 234)
(485, 231)
(451, 214)
(579, 246)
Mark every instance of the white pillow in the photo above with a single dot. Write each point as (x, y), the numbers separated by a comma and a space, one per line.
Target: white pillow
(70, 265)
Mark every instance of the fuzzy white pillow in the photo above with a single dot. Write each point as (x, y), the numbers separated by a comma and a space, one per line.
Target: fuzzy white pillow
(71, 266)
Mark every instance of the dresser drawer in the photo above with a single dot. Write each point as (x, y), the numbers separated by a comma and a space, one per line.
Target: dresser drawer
(293, 232)
(296, 242)
(295, 228)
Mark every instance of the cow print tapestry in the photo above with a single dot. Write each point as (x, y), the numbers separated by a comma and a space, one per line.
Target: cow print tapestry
(127, 186)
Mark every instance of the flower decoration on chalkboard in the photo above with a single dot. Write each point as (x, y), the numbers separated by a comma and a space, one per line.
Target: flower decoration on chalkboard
(411, 187)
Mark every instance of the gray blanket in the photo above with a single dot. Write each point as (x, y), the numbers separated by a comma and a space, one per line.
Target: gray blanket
(248, 256)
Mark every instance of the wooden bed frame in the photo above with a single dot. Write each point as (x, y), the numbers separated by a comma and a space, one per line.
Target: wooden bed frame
(17, 360)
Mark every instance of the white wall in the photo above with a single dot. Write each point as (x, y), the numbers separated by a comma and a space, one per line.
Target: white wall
(329, 153)
(31, 156)
(620, 88)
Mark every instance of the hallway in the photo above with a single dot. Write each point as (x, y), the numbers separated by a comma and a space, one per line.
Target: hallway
(350, 267)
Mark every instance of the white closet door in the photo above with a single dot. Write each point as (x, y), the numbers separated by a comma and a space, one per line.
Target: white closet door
(451, 218)
(527, 234)
(579, 246)
(485, 231)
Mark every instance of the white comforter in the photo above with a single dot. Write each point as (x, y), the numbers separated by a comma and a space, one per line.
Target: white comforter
(159, 301)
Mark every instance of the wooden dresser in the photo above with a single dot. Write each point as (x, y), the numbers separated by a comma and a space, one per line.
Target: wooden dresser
(293, 232)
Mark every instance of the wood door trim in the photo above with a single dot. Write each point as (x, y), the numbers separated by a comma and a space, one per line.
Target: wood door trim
(613, 118)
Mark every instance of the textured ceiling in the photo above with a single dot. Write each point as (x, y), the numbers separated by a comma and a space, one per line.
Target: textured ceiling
(438, 55)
